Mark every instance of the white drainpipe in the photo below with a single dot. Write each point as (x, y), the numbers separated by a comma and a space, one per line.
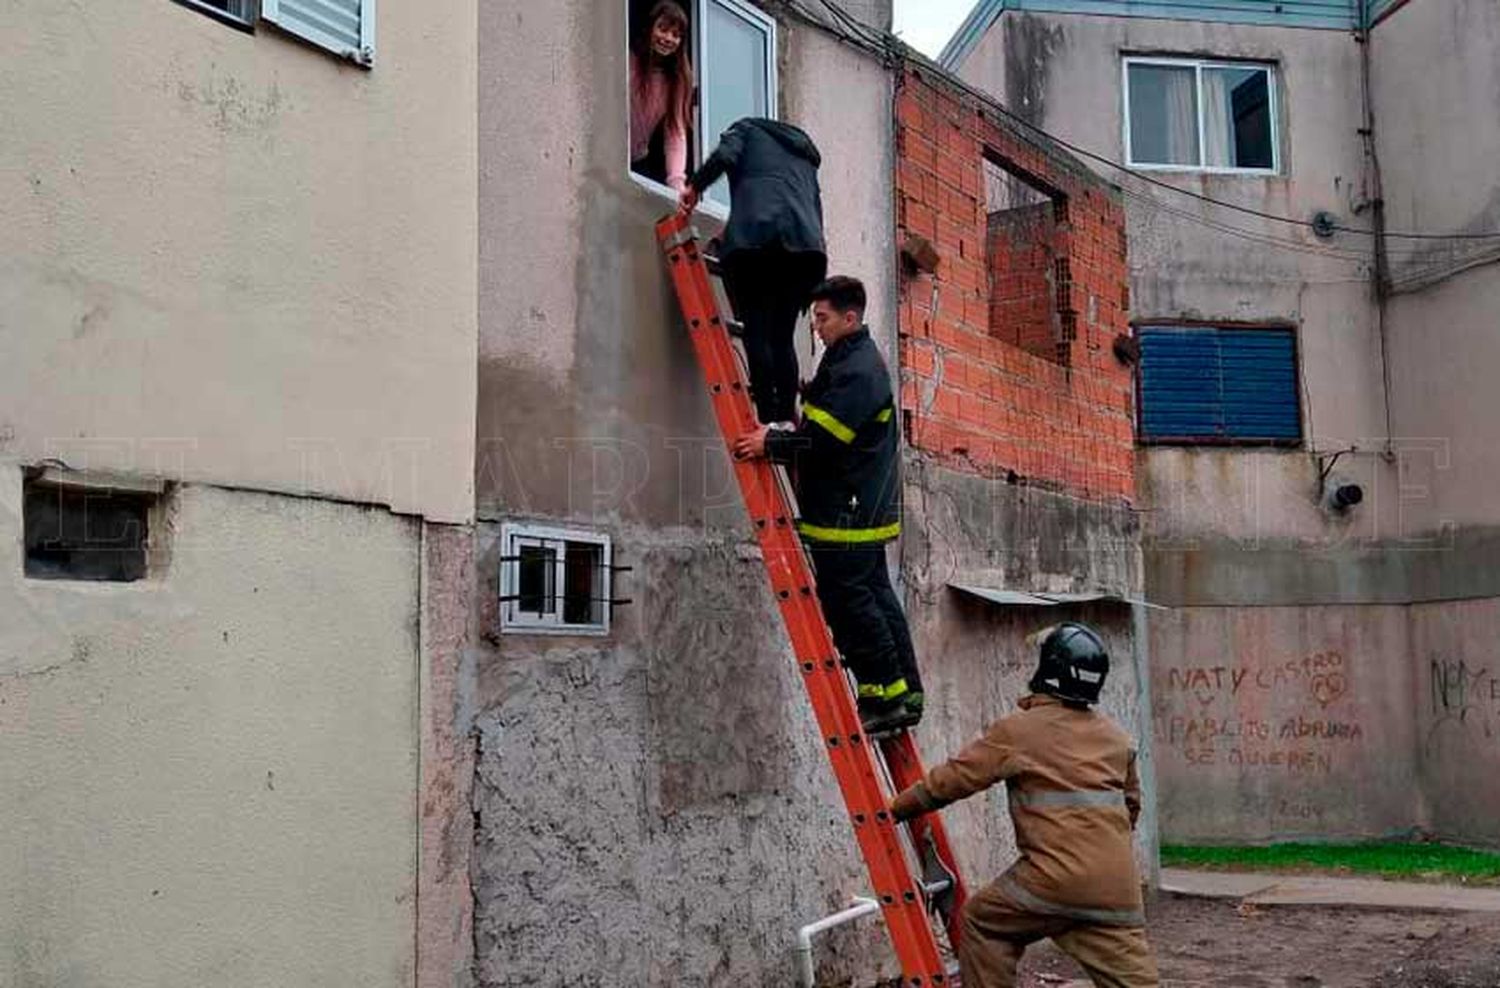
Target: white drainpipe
(860, 907)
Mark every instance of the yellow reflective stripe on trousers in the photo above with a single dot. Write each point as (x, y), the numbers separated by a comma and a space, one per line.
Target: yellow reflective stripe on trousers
(884, 415)
(849, 535)
(890, 691)
(835, 428)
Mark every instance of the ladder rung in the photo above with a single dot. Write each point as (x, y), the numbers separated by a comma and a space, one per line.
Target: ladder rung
(907, 884)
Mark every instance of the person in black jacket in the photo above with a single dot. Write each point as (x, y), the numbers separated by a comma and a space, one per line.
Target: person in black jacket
(846, 456)
(772, 247)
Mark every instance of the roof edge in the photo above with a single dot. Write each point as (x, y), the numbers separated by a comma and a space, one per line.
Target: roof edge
(970, 33)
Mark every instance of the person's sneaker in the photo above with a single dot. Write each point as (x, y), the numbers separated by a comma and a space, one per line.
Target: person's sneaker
(878, 715)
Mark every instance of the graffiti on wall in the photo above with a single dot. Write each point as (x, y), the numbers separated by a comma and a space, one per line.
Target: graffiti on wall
(1219, 715)
(1464, 697)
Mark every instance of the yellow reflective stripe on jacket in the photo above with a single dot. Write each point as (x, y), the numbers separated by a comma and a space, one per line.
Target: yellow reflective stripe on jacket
(823, 534)
(884, 415)
(835, 428)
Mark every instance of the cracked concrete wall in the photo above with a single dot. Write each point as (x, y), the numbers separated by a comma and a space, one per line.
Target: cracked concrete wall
(445, 900)
(209, 774)
(656, 808)
(962, 528)
(236, 259)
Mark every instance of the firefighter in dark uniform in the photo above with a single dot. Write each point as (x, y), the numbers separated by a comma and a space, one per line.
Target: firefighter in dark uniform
(1074, 797)
(845, 456)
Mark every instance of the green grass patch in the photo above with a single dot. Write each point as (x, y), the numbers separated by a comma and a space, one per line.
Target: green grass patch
(1430, 862)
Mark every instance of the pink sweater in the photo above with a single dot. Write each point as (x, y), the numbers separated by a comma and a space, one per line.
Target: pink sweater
(648, 108)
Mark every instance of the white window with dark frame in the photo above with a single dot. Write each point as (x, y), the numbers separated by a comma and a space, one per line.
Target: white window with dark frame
(1201, 116)
(733, 57)
(555, 581)
(344, 27)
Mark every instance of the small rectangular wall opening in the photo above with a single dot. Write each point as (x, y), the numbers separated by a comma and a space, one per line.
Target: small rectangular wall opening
(88, 527)
(1028, 275)
(555, 581)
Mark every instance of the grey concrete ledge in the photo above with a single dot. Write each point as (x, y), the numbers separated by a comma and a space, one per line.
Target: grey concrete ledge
(1314, 890)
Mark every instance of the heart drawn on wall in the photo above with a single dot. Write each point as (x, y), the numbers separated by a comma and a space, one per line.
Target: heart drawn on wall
(1327, 687)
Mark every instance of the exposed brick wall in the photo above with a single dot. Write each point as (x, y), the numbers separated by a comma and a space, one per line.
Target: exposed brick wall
(1019, 248)
(971, 395)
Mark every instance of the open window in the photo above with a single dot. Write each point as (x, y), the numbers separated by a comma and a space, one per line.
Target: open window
(1029, 277)
(91, 526)
(555, 581)
(728, 51)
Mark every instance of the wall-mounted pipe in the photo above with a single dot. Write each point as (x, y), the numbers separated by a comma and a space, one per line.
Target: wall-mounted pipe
(860, 907)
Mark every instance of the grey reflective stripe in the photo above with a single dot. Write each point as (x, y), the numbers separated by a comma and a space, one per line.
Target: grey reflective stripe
(1083, 797)
(1036, 904)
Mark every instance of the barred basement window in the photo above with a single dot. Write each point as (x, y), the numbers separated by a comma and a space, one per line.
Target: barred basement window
(555, 581)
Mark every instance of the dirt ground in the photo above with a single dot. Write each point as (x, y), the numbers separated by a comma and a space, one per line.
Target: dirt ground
(1216, 943)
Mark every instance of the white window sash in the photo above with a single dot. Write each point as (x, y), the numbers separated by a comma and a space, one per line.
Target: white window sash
(515, 537)
(1199, 65)
(767, 26)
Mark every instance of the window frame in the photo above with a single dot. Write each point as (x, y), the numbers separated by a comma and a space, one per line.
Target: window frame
(1273, 92)
(1223, 442)
(516, 535)
(244, 22)
(363, 56)
(702, 142)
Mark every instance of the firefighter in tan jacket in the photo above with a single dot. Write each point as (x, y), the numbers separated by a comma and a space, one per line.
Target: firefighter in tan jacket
(1074, 798)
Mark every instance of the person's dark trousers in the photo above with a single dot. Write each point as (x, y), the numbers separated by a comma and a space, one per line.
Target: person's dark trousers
(768, 289)
(869, 627)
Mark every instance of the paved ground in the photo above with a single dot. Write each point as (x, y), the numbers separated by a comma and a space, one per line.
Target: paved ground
(1316, 890)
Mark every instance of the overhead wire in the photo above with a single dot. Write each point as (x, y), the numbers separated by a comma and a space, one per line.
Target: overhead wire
(887, 46)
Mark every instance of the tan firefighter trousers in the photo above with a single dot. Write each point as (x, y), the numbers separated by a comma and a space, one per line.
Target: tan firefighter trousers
(996, 931)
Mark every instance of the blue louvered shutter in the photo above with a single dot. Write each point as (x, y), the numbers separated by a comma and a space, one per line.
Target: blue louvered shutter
(1219, 385)
(344, 27)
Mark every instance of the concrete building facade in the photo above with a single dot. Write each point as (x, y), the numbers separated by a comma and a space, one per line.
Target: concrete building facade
(378, 584)
(656, 800)
(238, 320)
(1309, 672)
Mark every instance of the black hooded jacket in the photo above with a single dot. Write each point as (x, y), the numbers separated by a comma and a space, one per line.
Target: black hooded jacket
(773, 186)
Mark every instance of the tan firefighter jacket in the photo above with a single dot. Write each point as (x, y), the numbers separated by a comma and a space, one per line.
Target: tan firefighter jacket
(1074, 798)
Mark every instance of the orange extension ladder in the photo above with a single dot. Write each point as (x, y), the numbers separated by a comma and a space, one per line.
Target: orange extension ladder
(908, 879)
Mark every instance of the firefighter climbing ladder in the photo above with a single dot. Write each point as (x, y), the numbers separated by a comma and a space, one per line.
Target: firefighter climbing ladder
(906, 887)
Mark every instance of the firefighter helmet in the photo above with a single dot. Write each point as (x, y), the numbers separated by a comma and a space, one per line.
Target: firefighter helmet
(1072, 664)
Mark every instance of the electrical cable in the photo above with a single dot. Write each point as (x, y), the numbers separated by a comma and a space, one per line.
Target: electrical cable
(861, 36)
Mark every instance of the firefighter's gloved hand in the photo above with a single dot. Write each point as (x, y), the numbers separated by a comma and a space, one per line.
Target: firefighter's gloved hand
(912, 802)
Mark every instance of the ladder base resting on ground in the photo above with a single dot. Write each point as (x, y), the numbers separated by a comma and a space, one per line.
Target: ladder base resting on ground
(908, 878)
